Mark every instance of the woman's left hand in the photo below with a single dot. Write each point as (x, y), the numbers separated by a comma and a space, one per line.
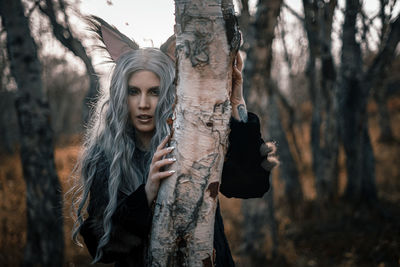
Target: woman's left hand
(239, 111)
(268, 150)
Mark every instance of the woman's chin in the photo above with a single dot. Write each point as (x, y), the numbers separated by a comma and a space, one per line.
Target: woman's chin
(145, 129)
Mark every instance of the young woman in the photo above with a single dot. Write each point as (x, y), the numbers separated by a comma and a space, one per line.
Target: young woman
(125, 155)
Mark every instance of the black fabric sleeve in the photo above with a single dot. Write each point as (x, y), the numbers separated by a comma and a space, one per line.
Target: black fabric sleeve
(242, 174)
(130, 223)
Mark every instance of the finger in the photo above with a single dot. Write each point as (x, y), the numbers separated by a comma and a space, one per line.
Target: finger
(163, 175)
(236, 71)
(161, 153)
(163, 143)
(269, 163)
(164, 162)
(265, 149)
(273, 146)
(239, 61)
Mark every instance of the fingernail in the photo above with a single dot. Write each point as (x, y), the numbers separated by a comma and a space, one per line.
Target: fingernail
(171, 148)
(172, 159)
(171, 171)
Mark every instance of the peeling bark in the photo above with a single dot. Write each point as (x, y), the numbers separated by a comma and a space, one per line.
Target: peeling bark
(182, 232)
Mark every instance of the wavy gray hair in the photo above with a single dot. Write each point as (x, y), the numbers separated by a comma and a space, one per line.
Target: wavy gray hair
(111, 134)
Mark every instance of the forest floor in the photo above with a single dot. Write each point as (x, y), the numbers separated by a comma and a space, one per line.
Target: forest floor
(338, 235)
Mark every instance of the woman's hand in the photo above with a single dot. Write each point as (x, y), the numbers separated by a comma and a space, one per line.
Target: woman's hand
(155, 173)
(268, 151)
(239, 111)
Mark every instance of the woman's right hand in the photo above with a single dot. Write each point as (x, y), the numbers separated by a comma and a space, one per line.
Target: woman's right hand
(155, 173)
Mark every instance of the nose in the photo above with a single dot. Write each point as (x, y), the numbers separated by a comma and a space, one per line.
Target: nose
(144, 102)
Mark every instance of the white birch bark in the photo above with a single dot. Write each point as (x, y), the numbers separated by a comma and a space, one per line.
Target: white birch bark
(183, 222)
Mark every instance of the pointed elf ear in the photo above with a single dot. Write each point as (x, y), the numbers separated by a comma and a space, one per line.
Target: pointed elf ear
(115, 42)
(169, 47)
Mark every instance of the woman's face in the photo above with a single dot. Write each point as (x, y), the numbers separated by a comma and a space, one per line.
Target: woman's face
(143, 92)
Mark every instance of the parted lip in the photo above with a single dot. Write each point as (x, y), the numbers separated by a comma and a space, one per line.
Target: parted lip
(144, 116)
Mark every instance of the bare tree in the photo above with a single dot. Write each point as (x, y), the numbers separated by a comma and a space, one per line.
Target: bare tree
(64, 34)
(182, 231)
(260, 87)
(354, 89)
(321, 74)
(45, 242)
(261, 97)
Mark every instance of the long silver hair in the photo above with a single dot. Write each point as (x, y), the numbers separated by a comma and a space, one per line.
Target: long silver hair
(111, 134)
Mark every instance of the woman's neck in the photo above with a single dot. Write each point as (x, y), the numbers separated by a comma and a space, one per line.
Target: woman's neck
(143, 140)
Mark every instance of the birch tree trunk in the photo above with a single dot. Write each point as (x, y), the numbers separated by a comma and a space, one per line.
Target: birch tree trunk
(45, 243)
(183, 222)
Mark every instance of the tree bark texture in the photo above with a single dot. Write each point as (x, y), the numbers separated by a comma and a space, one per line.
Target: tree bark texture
(66, 37)
(321, 74)
(182, 231)
(45, 242)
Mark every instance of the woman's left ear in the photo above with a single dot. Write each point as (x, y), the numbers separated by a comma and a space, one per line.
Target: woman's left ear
(169, 47)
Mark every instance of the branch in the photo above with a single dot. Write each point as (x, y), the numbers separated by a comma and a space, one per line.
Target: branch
(30, 11)
(245, 6)
(282, 32)
(294, 13)
(65, 36)
(369, 21)
(62, 5)
(386, 53)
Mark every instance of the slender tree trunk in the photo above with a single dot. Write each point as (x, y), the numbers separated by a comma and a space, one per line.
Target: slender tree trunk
(380, 68)
(45, 243)
(258, 213)
(379, 91)
(353, 96)
(257, 80)
(321, 76)
(288, 170)
(285, 103)
(182, 231)
(258, 223)
(386, 133)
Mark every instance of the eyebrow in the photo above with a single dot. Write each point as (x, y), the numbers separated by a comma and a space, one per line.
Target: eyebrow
(151, 88)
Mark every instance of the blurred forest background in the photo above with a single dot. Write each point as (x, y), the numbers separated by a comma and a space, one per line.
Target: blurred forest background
(325, 81)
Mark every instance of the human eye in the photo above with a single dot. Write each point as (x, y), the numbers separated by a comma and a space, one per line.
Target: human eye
(133, 91)
(155, 91)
